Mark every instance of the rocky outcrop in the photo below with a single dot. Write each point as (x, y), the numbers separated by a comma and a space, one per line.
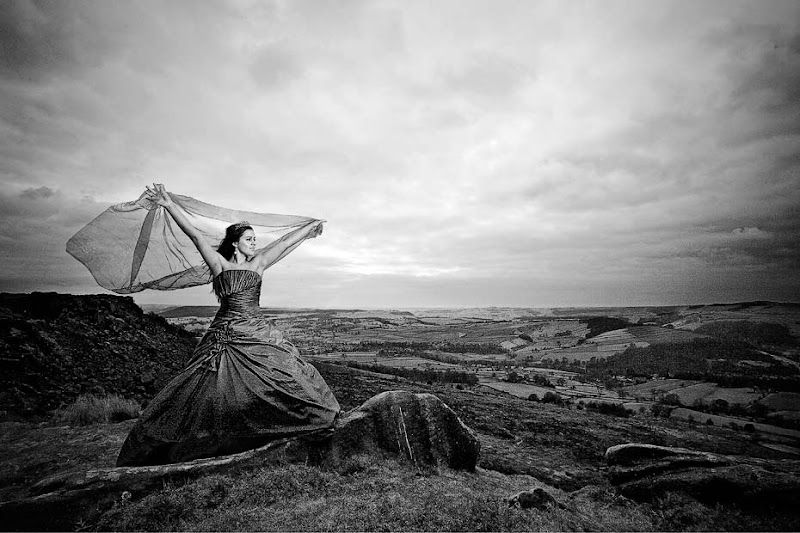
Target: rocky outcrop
(57, 346)
(632, 461)
(418, 428)
(644, 471)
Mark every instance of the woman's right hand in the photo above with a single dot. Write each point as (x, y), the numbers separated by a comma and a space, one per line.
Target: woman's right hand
(159, 195)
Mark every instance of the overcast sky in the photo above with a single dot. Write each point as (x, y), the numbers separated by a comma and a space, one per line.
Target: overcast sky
(465, 153)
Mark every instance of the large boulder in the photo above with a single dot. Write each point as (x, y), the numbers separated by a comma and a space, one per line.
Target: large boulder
(418, 428)
(643, 472)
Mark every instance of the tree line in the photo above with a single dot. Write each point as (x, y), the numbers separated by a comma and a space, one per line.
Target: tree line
(704, 359)
(753, 333)
(414, 348)
(416, 374)
(602, 324)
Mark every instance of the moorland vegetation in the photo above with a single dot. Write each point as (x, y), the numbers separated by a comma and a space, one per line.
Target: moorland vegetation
(555, 444)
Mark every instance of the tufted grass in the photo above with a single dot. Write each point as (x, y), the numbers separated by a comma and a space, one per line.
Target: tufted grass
(89, 409)
(362, 496)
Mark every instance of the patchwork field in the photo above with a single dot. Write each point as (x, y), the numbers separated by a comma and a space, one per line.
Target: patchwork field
(491, 343)
(782, 401)
(793, 436)
(642, 335)
(368, 358)
(689, 392)
(520, 390)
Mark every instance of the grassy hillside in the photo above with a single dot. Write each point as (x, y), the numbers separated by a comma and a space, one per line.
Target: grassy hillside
(369, 496)
(759, 334)
(525, 445)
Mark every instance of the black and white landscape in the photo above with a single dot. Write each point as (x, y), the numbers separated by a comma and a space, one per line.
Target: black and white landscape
(682, 417)
(558, 286)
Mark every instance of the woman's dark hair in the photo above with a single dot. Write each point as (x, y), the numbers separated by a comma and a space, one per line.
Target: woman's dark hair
(232, 234)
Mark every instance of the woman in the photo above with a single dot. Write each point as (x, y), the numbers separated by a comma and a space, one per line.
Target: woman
(243, 386)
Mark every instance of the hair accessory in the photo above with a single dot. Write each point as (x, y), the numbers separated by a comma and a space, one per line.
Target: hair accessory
(240, 225)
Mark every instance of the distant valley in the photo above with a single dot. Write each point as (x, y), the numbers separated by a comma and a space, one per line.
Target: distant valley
(585, 356)
(547, 392)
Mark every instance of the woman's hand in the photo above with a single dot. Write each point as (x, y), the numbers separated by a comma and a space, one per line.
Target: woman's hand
(159, 195)
(316, 232)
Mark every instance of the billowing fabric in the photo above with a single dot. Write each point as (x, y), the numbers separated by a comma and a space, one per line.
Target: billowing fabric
(137, 245)
(243, 387)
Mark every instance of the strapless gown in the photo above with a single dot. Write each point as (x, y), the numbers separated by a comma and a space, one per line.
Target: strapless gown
(242, 388)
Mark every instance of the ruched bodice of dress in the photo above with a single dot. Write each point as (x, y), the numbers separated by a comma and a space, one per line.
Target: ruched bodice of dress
(243, 387)
(238, 291)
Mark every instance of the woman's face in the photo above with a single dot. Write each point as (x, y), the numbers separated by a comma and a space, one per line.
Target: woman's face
(246, 243)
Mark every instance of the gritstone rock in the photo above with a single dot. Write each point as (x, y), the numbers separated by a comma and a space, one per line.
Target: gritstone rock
(419, 427)
(644, 471)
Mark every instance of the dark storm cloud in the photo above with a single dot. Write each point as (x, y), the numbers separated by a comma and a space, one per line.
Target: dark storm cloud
(35, 225)
(43, 38)
(488, 152)
(31, 202)
(771, 84)
(35, 37)
(764, 67)
(40, 192)
(776, 71)
(44, 207)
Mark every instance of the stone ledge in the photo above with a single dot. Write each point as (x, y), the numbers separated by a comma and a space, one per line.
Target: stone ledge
(643, 472)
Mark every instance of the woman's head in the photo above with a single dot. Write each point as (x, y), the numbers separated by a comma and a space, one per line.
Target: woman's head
(239, 238)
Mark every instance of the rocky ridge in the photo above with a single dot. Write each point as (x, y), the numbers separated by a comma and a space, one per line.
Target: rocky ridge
(644, 472)
(54, 347)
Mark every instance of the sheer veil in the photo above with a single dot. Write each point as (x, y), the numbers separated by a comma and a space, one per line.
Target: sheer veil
(137, 245)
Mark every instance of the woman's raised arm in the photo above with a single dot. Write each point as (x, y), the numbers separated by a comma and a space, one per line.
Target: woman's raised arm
(280, 248)
(160, 196)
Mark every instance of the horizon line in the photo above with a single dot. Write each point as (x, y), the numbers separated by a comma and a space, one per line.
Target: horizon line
(450, 307)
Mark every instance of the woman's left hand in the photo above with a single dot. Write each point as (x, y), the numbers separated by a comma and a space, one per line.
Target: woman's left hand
(159, 195)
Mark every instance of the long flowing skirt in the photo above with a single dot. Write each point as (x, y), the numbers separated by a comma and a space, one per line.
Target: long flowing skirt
(241, 389)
